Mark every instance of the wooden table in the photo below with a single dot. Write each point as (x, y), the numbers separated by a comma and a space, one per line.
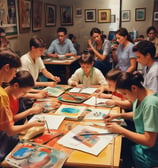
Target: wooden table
(108, 157)
(62, 67)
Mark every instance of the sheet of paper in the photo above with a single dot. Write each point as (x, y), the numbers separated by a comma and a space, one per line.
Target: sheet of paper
(93, 101)
(93, 144)
(83, 90)
(53, 121)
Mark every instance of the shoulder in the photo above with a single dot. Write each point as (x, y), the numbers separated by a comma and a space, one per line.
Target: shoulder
(24, 57)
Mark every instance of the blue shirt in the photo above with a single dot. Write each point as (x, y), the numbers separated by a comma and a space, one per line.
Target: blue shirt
(61, 49)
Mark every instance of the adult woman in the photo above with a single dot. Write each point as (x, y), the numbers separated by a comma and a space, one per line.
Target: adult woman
(101, 48)
(145, 116)
(125, 56)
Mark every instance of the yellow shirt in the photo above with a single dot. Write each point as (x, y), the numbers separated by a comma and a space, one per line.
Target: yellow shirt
(6, 116)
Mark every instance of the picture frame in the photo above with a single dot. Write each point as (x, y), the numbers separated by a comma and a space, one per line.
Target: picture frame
(125, 15)
(50, 14)
(9, 17)
(104, 15)
(66, 15)
(155, 16)
(78, 12)
(24, 16)
(37, 6)
(140, 14)
(90, 15)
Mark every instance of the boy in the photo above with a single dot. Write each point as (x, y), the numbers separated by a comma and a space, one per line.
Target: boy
(87, 75)
(9, 62)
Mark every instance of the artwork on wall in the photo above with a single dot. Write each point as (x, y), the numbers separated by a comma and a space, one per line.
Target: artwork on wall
(125, 15)
(140, 14)
(8, 17)
(78, 12)
(37, 6)
(66, 15)
(50, 14)
(24, 15)
(104, 15)
(155, 16)
(90, 15)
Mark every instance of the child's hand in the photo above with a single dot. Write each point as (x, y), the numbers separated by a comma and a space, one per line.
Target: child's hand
(57, 79)
(36, 109)
(109, 117)
(51, 84)
(74, 83)
(114, 127)
(37, 123)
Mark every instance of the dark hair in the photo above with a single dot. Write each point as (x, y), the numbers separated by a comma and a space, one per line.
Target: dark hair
(7, 56)
(87, 57)
(126, 79)
(97, 30)
(37, 42)
(145, 47)
(2, 32)
(113, 74)
(71, 36)
(24, 79)
(150, 28)
(62, 29)
(123, 32)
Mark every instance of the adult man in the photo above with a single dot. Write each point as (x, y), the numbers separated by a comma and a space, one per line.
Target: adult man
(145, 52)
(62, 45)
(151, 33)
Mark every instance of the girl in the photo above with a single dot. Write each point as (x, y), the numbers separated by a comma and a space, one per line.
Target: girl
(145, 116)
(125, 56)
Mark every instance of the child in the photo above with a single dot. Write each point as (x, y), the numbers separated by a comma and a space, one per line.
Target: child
(9, 62)
(115, 97)
(19, 86)
(145, 116)
(33, 63)
(87, 75)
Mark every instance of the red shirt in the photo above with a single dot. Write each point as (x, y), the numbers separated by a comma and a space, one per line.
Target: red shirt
(14, 104)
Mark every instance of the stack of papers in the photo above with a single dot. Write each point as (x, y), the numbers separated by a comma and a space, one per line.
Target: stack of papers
(83, 90)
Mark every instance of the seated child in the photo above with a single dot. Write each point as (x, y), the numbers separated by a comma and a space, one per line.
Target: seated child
(19, 86)
(116, 98)
(87, 75)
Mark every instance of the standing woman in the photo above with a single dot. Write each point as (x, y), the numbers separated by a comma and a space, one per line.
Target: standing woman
(101, 48)
(125, 56)
(145, 116)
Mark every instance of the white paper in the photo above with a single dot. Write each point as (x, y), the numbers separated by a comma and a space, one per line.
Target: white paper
(83, 90)
(96, 113)
(101, 140)
(53, 121)
(94, 101)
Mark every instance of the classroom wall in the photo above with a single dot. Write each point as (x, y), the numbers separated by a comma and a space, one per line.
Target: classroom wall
(81, 28)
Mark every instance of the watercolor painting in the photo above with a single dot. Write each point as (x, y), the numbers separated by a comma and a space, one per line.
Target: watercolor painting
(70, 111)
(88, 140)
(29, 155)
(53, 91)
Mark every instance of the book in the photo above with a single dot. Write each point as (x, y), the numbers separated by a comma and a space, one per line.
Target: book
(93, 141)
(27, 155)
(83, 90)
(54, 91)
(71, 111)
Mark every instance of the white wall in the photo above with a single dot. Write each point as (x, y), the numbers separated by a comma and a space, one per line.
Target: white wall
(81, 28)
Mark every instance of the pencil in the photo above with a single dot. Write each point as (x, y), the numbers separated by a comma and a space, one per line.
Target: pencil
(47, 126)
(107, 133)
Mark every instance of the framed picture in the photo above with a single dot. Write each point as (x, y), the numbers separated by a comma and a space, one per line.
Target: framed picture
(8, 17)
(78, 12)
(140, 14)
(50, 14)
(125, 15)
(90, 15)
(155, 16)
(37, 6)
(66, 15)
(113, 18)
(104, 15)
(24, 16)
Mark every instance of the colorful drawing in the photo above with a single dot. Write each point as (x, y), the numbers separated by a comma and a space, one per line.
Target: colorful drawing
(88, 140)
(27, 155)
(70, 111)
(53, 91)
